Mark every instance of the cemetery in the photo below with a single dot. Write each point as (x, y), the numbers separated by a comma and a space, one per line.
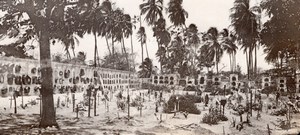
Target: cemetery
(150, 67)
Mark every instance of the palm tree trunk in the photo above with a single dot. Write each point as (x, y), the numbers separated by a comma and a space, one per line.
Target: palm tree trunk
(250, 63)
(230, 63)
(217, 64)
(113, 51)
(255, 61)
(142, 42)
(142, 49)
(247, 61)
(126, 56)
(48, 112)
(96, 50)
(234, 59)
(147, 50)
(68, 55)
(132, 57)
(109, 51)
(73, 50)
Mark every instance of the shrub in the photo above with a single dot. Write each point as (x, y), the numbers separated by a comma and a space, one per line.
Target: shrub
(136, 102)
(280, 112)
(222, 117)
(146, 85)
(159, 88)
(210, 119)
(269, 90)
(194, 98)
(186, 103)
(213, 117)
(191, 88)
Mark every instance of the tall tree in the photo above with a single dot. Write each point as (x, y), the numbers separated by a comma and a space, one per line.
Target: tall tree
(146, 69)
(46, 19)
(152, 9)
(163, 38)
(228, 41)
(280, 34)
(243, 20)
(193, 41)
(141, 35)
(93, 17)
(176, 12)
(214, 47)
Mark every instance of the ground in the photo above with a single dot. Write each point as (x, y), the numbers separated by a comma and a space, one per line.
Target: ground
(107, 121)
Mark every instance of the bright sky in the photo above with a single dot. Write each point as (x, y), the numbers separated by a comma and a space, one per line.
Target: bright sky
(203, 13)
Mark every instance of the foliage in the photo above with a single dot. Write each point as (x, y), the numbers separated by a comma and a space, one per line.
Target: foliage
(176, 12)
(117, 61)
(191, 88)
(146, 69)
(152, 9)
(213, 117)
(159, 88)
(136, 102)
(279, 33)
(210, 119)
(245, 21)
(58, 57)
(280, 112)
(16, 50)
(186, 103)
(269, 90)
(45, 20)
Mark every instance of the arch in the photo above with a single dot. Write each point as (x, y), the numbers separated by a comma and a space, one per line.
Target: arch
(266, 79)
(281, 81)
(233, 78)
(266, 84)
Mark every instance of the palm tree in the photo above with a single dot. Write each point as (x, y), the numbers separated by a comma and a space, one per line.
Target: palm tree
(163, 38)
(104, 25)
(176, 12)
(152, 9)
(245, 26)
(141, 35)
(193, 41)
(69, 41)
(127, 31)
(93, 18)
(228, 41)
(212, 42)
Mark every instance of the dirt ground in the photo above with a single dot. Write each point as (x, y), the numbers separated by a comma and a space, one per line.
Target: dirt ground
(114, 121)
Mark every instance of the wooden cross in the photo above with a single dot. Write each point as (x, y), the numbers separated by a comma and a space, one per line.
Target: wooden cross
(11, 99)
(98, 98)
(73, 101)
(40, 98)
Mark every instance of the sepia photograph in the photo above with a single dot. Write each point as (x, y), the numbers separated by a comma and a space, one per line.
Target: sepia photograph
(149, 67)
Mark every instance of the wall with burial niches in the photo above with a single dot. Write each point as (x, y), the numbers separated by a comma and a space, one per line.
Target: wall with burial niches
(16, 73)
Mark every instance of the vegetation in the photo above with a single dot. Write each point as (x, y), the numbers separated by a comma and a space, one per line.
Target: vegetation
(213, 117)
(181, 48)
(186, 104)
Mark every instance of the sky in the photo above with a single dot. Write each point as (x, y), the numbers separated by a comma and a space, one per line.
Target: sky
(203, 13)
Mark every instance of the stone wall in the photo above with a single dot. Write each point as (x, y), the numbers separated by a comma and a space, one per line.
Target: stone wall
(16, 73)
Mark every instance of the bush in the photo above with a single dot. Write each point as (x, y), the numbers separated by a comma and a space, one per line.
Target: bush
(194, 98)
(222, 117)
(186, 103)
(213, 117)
(280, 112)
(159, 88)
(146, 85)
(269, 90)
(136, 102)
(191, 88)
(210, 119)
